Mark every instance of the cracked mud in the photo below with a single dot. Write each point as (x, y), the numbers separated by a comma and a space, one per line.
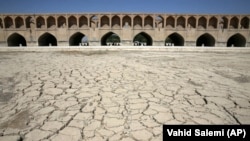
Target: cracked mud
(127, 95)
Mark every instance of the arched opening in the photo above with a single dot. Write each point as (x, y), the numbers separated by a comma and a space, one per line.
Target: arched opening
(28, 21)
(160, 21)
(15, 40)
(19, 22)
(213, 23)
(105, 21)
(1, 23)
(40, 22)
(174, 39)
(236, 40)
(77, 39)
(8, 22)
(110, 39)
(143, 39)
(94, 21)
(181, 22)
(72, 22)
(245, 23)
(148, 23)
(170, 22)
(126, 22)
(202, 23)
(116, 22)
(234, 22)
(47, 40)
(224, 23)
(83, 22)
(51, 22)
(137, 22)
(205, 40)
(192, 22)
(61, 21)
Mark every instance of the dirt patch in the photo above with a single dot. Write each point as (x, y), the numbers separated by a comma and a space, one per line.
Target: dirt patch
(7, 86)
(239, 79)
(19, 121)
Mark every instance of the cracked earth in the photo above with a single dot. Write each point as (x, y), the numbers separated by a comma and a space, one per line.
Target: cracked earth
(118, 95)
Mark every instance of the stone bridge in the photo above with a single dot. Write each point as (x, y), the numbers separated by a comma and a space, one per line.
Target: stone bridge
(124, 29)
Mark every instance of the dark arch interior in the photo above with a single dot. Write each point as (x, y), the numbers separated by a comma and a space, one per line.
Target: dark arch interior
(110, 38)
(236, 41)
(143, 38)
(175, 39)
(76, 39)
(206, 40)
(47, 40)
(16, 40)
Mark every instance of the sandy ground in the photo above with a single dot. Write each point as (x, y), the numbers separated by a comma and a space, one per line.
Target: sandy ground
(118, 95)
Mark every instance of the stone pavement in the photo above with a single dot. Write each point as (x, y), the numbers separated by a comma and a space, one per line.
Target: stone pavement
(118, 95)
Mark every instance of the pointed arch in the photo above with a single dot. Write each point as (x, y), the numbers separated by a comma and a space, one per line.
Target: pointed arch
(61, 22)
(51, 22)
(175, 39)
(76, 39)
(237, 40)
(170, 22)
(47, 39)
(8, 22)
(206, 40)
(142, 38)
(1, 23)
(40, 22)
(126, 21)
(192, 22)
(181, 22)
(148, 22)
(110, 38)
(116, 22)
(105, 21)
(72, 21)
(28, 21)
(224, 22)
(244, 23)
(137, 22)
(19, 22)
(202, 23)
(213, 22)
(234, 22)
(83, 22)
(16, 39)
(160, 21)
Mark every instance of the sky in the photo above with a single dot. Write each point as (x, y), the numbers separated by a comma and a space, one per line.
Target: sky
(127, 6)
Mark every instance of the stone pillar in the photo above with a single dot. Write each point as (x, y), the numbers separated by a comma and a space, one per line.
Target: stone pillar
(143, 21)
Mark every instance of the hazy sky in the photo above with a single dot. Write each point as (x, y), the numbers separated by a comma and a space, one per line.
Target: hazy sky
(144, 6)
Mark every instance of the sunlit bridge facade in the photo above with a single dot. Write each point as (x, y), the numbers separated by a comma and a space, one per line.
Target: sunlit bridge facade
(124, 29)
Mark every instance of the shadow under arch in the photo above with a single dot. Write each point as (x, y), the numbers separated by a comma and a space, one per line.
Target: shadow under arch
(47, 39)
(15, 40)
(174, 39)
(110, 38)
(143, 37)
(205, 40)
(77, 38)
(237, 40)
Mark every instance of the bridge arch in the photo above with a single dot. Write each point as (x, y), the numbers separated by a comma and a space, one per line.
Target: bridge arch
(244, 23)
(110, 38)
(174, 39)
(19, 22)
(8, 22)
(47, 39)
(77, 38)
(137, 22)
(205, 40)
(202, 23)
(234, 22)
(192, 22)
(40, 22)
(143, 38)
(237, 40)
(61, 21)
(16, 39)
(170, 22)
(51, 22)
